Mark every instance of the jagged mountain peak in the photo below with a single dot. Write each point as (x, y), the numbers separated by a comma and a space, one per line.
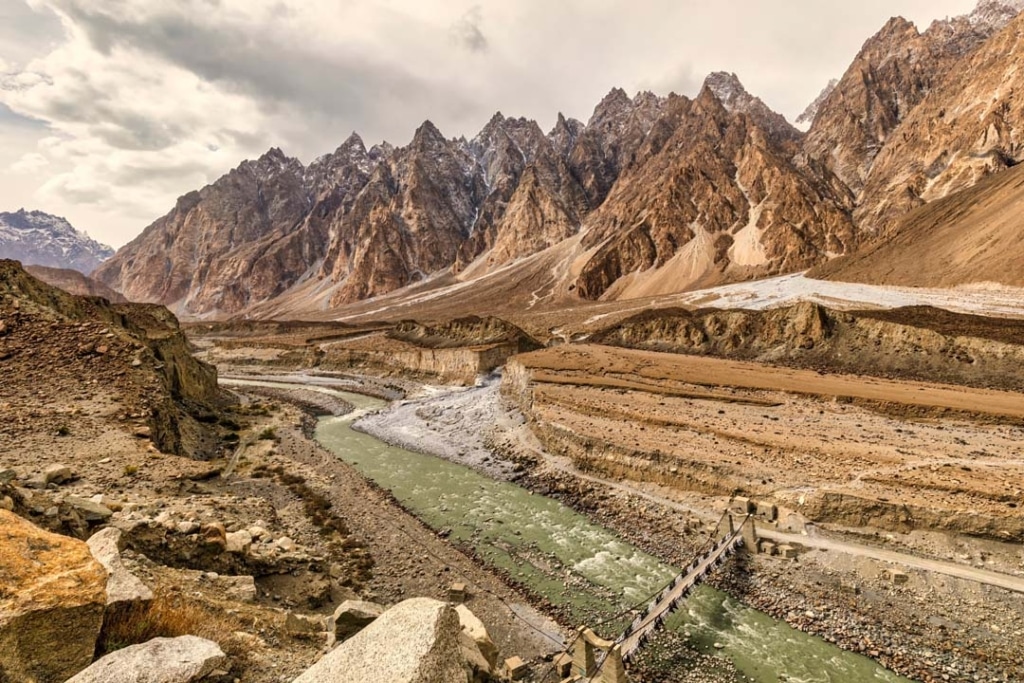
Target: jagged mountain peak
(270, 164)
(730, 91)
(808, 115)
(995, 13)
(726, 86)
(428, 134)
(353, 142)
(565, 134)
(37, 238)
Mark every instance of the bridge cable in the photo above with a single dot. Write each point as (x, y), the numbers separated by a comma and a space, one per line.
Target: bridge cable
(700, 554)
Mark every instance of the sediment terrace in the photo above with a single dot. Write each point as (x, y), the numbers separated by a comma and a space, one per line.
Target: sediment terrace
(456, 351)
(831, 449)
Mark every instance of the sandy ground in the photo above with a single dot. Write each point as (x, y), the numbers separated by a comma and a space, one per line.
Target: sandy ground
(437, 424)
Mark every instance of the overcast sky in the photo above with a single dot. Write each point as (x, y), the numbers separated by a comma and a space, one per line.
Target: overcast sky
(111, 109)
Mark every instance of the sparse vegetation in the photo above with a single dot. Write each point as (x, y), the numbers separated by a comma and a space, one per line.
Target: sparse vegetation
(268, 434)
(316, 505)
(164, 617)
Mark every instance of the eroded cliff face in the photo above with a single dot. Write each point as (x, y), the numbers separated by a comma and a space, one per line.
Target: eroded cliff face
(968, 127)
(51, 341)
(917, 343)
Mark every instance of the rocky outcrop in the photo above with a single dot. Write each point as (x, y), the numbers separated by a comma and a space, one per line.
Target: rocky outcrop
(138, 350)
(123, 587)
(915, 343)
(416, 641)
(52, 599)
(969, 126)
(351, 617)
(468, 331)
(161, 660)
(39, 239)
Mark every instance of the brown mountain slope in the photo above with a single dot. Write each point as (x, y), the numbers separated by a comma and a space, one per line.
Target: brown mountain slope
(976, 235)
(892, 74)
(966, 128)
(54, 345)
(221, 247)
(711, 196)
(73, 282)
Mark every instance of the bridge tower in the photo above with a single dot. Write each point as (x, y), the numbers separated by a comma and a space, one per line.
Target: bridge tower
(584, 660)
(749, 531)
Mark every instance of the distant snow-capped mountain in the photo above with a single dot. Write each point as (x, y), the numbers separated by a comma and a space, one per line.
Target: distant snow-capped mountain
(37, 238)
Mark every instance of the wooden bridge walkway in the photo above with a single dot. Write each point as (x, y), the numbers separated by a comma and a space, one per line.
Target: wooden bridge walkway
(632, 639)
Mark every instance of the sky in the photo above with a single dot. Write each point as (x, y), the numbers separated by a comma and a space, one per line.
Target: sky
(111, 109)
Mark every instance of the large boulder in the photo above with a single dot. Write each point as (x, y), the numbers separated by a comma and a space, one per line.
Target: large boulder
(416, 641)
(52, 599)
(161, 660)
(123, 587)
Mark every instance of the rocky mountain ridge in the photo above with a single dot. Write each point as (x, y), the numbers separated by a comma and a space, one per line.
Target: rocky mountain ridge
(39, 239)
(651, 195)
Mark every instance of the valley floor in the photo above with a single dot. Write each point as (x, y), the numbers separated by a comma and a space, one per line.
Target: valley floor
(953, 619)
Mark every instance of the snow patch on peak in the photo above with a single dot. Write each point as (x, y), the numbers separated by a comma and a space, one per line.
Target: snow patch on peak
(37, 238)
(995, 14)
(728, 89)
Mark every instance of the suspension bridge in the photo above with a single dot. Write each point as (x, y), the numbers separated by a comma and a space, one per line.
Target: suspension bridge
(610, 665)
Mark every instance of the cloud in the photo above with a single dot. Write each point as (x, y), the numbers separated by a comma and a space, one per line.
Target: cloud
(467, 32)
(32, 162)
(134, 102)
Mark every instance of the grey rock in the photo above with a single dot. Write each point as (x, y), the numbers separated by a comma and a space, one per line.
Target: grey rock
(122, 585)
(238, 542)
(58, 474)
(240, 588)
(36, 481)
(161, 660)
(417, 641)
(89, 510)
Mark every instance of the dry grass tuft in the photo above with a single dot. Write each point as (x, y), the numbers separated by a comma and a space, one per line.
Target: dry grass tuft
(164, 617)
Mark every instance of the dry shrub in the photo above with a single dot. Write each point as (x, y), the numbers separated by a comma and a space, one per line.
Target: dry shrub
(163, 617)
